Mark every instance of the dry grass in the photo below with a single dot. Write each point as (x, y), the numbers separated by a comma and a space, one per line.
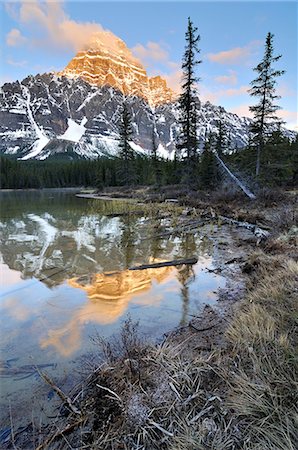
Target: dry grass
(243, 395)
(171, 396)
(263, 334)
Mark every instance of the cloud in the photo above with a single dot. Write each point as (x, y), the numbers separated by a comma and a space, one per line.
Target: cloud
(237, 55)
(216, 95)
(232, 92)
(173, 80)
(15, 38)
(290, 117)
(241, 110)
(208, 95)
(48, 26)
(230, 79)
(11, 62)
(285, 91)
(287, 115)
(152, 51)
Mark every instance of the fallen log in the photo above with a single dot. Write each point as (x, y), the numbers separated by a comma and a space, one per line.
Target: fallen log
(260, 233)
(245, 189)
(137, 212)
(174, 262)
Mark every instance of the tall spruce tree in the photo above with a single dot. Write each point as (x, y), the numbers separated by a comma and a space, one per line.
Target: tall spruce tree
(263, 87)
(155, 166)
(126, 168)
(187, 140)
(221, 140)
(208, 165)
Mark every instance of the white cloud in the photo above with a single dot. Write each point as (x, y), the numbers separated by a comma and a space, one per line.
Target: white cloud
(11, 62)
(216, 95)
(173, 80)
(15, 38)
(237, 55)
(152, 51)
(230, 79)
(48, 26)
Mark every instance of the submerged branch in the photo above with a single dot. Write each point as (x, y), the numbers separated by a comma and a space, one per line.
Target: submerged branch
(58, 391)
(174, 262)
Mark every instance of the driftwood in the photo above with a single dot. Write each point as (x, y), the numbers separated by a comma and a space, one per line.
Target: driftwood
(137, 212)
(174, 262)
(260, 233)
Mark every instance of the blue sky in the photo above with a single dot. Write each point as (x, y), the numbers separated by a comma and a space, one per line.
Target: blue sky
(40, 36)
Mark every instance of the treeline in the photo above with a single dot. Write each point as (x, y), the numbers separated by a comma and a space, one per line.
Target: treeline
(278, 164)
(278, 161)
(279, 167)
(16, 174)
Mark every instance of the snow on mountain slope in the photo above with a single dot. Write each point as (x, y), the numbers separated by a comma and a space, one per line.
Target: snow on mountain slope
(74, 131)
(48, 114)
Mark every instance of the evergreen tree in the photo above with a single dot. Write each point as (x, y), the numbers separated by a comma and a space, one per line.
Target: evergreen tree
(126, 153)
(263, 87)
(294, 161)
(154, 146)
(208, 165)
(221, 140)
(187, 141)
(155, 175)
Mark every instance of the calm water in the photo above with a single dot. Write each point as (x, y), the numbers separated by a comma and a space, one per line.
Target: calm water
(64, 277)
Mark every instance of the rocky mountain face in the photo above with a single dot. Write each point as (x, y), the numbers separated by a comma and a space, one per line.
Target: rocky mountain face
(76, 113)
(47, 114)
(105, 66)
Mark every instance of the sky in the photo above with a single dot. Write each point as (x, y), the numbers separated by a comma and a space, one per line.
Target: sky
(41, 36)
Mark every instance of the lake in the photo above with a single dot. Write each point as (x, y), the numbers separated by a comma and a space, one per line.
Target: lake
(65, 279)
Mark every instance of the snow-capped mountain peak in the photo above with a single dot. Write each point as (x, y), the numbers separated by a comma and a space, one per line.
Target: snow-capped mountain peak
(76, 112)
(113, 64)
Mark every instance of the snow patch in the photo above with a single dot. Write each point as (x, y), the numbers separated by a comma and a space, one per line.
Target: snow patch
(12, 150)
(163, 153)
(74, 131)
(87, 100)
(42, 140)
(17, 111)
(16, 134)
(36, 148)
(137, 148)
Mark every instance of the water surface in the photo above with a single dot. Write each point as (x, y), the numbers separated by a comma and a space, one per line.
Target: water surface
(64, 277)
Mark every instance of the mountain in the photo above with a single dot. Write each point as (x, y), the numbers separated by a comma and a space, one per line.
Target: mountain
(75, 113)
(102, 66)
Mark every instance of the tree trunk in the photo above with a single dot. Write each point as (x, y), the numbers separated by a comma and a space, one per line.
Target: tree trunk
(258, 160)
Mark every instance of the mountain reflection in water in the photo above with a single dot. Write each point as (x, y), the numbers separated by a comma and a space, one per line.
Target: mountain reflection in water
(109, 295)
(64, 278)
(51, 245)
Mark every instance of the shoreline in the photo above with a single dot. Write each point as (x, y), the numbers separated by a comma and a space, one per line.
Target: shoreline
(216, 347)
(104, 197)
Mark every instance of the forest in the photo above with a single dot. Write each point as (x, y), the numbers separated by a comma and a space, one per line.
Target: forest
(279, 167)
